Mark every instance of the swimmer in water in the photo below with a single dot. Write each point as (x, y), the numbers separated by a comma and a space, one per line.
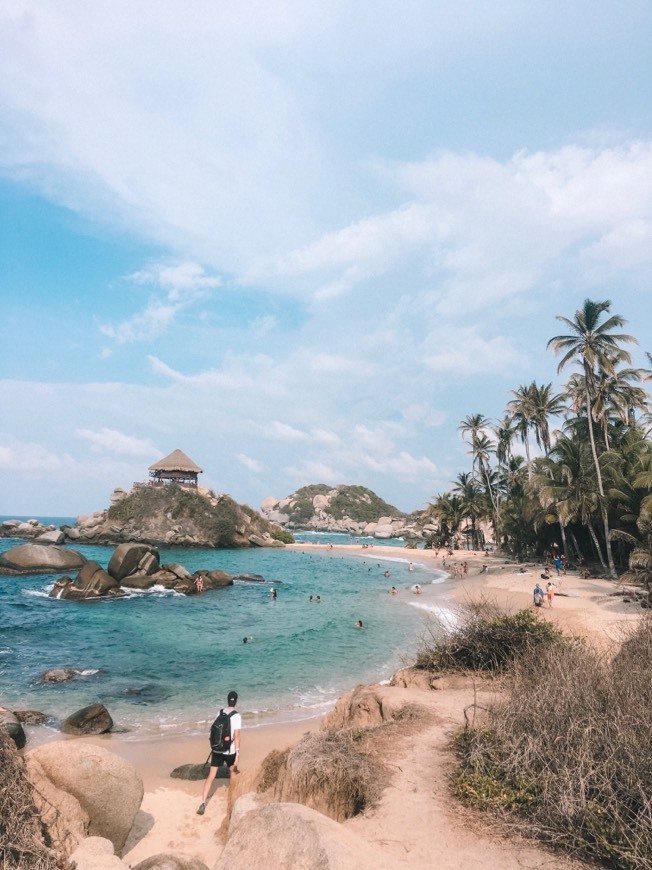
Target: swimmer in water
(417, 589)
(394, 590)
(359, 624)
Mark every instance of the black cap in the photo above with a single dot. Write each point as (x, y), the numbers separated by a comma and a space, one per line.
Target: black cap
(232, 698)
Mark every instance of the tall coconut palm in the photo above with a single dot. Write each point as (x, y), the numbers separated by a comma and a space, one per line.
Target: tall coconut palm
(544, 404)
(522, 414)
(594, 346)
(504, 432)
(474, 426)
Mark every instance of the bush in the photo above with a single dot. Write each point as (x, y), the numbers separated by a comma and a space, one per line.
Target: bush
(282, 535)
(331, 771)
(484, 639)
(570, 751)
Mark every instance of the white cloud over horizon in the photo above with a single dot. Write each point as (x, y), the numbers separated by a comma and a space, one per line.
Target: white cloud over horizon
(301, 243)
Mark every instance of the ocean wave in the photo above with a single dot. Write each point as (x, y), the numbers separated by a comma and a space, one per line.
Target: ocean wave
(156, 590)
(445, 615)
(39, 593)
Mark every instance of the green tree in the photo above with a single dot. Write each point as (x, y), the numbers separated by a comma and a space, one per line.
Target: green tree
(596, 348)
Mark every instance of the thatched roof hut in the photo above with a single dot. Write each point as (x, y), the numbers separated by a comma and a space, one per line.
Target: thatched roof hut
(175, 468)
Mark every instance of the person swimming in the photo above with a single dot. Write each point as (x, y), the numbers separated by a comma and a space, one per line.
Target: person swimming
(394, 590)
(359, 624)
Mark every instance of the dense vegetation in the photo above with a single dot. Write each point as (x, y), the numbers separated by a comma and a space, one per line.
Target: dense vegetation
(360, 504)
(356, 502)
(589, 489)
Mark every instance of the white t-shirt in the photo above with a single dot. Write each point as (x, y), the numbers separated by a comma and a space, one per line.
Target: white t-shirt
(236, 725)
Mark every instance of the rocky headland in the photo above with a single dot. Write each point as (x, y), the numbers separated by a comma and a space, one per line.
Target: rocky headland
(164, 515)
(352, 510)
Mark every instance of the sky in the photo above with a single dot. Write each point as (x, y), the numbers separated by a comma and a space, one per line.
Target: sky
(301, 241)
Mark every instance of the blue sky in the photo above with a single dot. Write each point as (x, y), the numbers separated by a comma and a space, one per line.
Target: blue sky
(301, 241)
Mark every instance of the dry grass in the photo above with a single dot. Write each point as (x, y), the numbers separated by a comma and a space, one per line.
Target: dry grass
(22, 839)
(570, 751)
(331, 771)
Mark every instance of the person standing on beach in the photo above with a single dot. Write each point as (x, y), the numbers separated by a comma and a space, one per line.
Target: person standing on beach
(229, 757)
(550, 592)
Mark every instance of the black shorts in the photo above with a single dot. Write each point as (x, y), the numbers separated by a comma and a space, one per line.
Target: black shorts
(220, 758)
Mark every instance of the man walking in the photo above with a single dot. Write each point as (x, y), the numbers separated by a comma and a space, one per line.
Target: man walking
(227, 751)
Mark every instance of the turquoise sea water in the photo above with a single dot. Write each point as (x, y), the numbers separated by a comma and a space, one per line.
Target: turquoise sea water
(162, 662)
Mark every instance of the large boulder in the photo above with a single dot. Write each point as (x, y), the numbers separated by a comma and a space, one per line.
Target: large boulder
(61, 814)
(39, 559)
(96, 853)
(133, 559)
(53, 537)
(291, 835)
(10, 723)
(107, 788)
(94, 719)
(215, 579)
(91, 582)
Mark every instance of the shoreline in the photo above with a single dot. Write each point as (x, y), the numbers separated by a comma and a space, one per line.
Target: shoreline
(168, 821)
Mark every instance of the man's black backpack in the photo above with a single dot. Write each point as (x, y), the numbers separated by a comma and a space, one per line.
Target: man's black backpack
(221, 737)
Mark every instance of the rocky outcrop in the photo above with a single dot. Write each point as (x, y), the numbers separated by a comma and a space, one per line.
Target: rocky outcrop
(94, 719)
(60, 675)
(133, 559)
(291, 835)
(23, 529)
(175, 516)
(39, 559)
(11, 725)
(353, 510)
(91, 582)
(135, 566)
(106, 789)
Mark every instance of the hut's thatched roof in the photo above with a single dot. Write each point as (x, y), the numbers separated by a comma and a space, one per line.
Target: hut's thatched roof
(176, 461)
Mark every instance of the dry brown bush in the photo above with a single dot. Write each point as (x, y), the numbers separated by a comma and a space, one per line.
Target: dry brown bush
(331, 771)
(571, 751)
(22, 839)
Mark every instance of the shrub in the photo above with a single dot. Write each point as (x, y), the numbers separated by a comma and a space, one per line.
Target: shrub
(282, 535)
(484, 639)
(570, 751)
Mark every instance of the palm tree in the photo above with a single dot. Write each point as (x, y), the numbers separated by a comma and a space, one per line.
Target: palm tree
(473, 501)
(522, 414)
(504, 433)
(543, 405)
(595, 347)
(475, 425)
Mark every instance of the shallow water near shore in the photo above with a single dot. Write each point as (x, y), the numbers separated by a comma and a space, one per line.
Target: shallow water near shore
(162, 662)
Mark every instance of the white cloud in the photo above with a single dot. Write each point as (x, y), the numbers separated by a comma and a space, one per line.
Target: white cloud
(182, 284)
(250, 463)
(117, 442)
(284, 432)
(463, 352)
(28, 456)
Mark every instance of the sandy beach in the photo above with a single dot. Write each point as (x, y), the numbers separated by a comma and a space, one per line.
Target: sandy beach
(416, 817)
